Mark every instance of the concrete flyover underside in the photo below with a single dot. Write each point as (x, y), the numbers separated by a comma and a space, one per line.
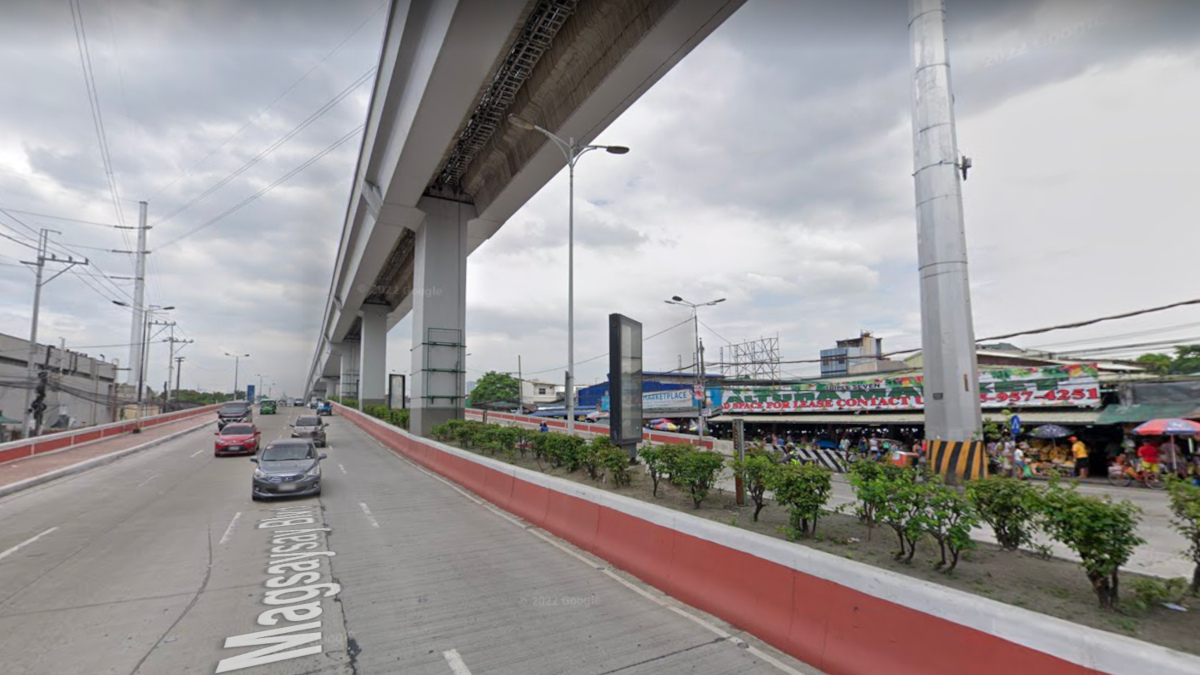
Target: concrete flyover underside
(449, 75)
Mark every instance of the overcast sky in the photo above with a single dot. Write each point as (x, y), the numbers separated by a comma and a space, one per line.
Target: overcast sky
(772, 167)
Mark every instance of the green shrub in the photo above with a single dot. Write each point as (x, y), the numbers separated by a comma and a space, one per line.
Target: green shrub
(590, 457)
(1185, 506)
(804, 489)
(1009, 506)
(653, 457)
(904, 510)
(949, 518)
(616, 461)
(871, 488)
(1149, 592)
(756, 472)
(672, 461)
(697, 470)
(1100, 531)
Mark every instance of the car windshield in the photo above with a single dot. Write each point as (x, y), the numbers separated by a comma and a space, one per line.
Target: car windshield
(237, 430)
(233, 407)
(309, 421)
(287, 451)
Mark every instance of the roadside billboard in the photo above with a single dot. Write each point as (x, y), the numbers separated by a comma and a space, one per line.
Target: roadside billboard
(1076, 385)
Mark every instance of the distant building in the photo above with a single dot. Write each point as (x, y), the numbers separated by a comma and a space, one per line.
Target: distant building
(535, 392)
(81, 390)
(857, 356)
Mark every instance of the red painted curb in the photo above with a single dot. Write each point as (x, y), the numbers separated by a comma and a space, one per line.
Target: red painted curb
(834, 627)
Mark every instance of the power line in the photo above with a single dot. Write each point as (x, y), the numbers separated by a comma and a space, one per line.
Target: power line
(309, 162)
(594, 358)
(270, 105)
(47, 215)
(279, 142)
(85, 60)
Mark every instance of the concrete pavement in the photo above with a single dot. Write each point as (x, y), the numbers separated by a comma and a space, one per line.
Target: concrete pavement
(159, 563)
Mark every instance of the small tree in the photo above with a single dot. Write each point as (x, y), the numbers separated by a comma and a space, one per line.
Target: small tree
(870, 483)
(591, 456)
(1009, 506)
(1100, 531)
(1185, 505)
(672, 460)
(904, 510)
(756, 472)
(804, 489)
(495, 386)
(949, 518)
(616, 461)
(698, 471)
(653, 457)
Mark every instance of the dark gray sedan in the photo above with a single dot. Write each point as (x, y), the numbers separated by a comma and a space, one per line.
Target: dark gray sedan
(310, 427)
(287, 468)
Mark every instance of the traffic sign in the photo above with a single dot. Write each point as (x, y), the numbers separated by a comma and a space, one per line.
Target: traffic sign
(1015, 425)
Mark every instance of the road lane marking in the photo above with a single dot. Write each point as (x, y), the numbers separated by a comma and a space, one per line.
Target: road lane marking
(229, 530)
(198, 452)
(342, 468)
(456, 662)
(367, 512)
(25, 543)
(152, 477)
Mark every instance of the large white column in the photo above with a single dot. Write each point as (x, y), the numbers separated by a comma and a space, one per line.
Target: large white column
(348, 383)
(372, 371)
(439, 313)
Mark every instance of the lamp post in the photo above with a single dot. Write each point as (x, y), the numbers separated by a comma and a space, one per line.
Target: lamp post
(236, 361)
(676, 300)
(258, 392)
(143, 357)
(572, 151)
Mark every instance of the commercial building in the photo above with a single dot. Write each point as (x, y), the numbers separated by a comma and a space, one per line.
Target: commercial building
(80, 390)
(857, 356)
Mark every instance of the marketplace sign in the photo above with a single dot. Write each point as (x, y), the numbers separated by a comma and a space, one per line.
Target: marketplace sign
(671, 399)
(1076, 385)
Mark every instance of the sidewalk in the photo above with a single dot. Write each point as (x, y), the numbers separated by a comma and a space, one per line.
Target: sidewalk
(32, 467)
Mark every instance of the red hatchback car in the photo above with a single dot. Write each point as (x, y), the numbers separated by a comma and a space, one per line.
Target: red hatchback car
(237, 439)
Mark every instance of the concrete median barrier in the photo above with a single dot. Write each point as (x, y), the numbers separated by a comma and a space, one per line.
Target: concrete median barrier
(839, 615)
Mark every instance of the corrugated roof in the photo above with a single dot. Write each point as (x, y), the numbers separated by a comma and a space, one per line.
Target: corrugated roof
(1143, 412)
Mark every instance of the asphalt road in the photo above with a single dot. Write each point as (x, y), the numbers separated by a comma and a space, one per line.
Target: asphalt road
(159, 562)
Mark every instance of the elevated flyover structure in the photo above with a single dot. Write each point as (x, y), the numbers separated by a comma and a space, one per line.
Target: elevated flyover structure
(440, 170)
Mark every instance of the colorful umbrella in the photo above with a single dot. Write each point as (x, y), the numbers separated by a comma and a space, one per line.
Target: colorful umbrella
(663, 425)
(1050, 431)
(1167, 427)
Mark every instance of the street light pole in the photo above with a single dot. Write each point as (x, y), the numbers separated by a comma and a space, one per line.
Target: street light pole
(572, 151)
(699, 365)
(144, 357)
(236, 363)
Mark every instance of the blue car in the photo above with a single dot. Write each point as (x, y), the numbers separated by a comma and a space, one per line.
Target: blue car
(324, 408)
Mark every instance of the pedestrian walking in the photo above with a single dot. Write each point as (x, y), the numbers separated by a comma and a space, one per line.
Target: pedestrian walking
(1019, 461)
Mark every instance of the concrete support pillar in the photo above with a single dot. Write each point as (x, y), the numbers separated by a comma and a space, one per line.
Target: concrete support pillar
(330, 385)
(348, 382)
(372, 371)
(439, 314)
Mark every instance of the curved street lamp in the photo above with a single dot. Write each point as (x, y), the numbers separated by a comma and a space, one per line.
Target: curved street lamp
(572, 151)
(236, 361)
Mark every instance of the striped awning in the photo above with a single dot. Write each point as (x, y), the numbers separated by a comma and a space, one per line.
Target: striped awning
(915, 418)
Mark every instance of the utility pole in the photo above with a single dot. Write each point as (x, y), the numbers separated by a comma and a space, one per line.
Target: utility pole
(520, 387)
(137, 322)
(947, 330)
(178, 373)
(39, 266)
(171, 356)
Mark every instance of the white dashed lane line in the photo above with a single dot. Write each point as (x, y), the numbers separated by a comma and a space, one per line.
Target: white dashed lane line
(152, 477)
(229, 530)
(456, 662)
(198, 452)
(342, 468)
(367, 512)
(25, 543)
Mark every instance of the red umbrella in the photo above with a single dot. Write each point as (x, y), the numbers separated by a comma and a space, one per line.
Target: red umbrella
(1168, 427)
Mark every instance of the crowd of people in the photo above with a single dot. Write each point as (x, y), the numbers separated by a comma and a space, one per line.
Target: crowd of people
(1026, 459)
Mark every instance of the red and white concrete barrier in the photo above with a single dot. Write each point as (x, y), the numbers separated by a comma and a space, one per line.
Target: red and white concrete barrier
(28, 447)
(841, 616)
(583, 428)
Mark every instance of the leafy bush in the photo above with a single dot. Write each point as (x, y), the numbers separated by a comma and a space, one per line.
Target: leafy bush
(949, 518)
(804, 489)
(672, 461)
(871, 488)
(756, 472)
(653, 457)
(1185, 505)
(1009, 506)
(1100, 531)
(590, 457)
(697, 471)
(616, 461)
(397, 418)
(904, 510)
(1149, 592)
